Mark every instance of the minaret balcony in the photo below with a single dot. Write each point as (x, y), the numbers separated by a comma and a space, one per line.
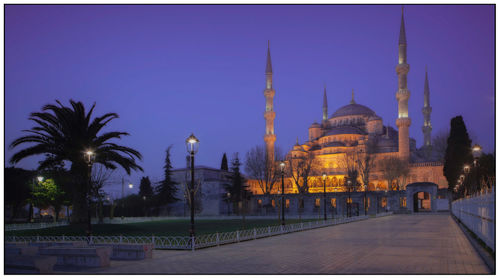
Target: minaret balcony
(402, 69)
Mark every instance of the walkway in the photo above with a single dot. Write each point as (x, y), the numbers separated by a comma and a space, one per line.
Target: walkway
(398, 244)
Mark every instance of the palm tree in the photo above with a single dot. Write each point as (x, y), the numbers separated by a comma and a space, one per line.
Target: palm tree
(65, 133)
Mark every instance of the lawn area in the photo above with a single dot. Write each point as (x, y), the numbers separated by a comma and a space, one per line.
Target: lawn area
(157, 228)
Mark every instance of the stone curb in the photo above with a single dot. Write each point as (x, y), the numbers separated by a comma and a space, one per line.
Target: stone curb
(483, 254)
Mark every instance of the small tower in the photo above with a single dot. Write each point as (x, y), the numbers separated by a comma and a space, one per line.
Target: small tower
(403, 121)
(269, 115)
(325, 107)
(426, 110)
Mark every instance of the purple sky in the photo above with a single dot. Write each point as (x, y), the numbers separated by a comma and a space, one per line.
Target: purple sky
(172, 70)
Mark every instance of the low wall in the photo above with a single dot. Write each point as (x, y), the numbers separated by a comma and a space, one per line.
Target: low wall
(478, 214)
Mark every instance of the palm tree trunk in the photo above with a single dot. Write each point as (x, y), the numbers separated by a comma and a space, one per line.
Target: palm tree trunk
(80, 204)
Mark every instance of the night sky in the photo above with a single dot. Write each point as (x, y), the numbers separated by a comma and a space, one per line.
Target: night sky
(172, 70)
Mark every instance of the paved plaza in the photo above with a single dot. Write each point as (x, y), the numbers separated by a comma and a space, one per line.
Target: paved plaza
(398, 244)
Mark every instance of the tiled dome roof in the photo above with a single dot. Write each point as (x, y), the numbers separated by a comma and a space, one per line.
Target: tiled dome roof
(345, 130)
(353, 109)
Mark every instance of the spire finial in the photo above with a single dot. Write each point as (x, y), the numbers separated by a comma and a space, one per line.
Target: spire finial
(352, 97)
(325, 104)
(269, 67)
(402, 32)
(426, 90)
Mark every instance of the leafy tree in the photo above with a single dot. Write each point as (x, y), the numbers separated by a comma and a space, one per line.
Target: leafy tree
(18, 183)
(458, 151)
(46, 193)
(66, 133)
(238, 189)
(166, 189)
(223, 164)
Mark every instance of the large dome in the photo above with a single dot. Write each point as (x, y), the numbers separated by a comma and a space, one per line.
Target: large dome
(353, 109)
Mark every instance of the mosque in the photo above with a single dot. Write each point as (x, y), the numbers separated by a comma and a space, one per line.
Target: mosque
(355, 128)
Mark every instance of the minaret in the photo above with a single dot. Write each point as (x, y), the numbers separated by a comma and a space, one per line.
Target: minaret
(269, 115)
(352, 98)
(403, 94)
(325, 106)
(427, 128)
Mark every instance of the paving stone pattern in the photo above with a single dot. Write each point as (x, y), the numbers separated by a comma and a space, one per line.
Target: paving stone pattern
(398, 244)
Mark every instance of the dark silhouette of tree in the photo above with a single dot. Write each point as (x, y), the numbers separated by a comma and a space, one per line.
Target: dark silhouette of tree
(238, 188)
(145, 188)
(166, 189)
(66, 133)
(17, 188)
(458, 151)
(486, 171)
(223, 164)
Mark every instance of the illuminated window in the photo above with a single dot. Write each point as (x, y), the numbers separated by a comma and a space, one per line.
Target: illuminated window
(367, 202)
(384, 202)
(273, 203)
(287, 203)
(349, 200)
(334, 203)
(317, 202)
(402, 202)
(259, 202)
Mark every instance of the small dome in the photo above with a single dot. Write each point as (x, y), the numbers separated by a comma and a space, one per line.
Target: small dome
(345, 130)
(315, 125)
(353, 109)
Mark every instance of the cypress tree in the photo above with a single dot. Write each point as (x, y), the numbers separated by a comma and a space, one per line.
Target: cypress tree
(166, 189)
(145, 188)
(223, 164)
(458, 152)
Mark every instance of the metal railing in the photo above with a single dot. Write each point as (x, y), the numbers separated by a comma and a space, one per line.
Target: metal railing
(478, 214)
(192, 243)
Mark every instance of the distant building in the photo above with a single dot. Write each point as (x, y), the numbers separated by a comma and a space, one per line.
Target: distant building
(210, 191)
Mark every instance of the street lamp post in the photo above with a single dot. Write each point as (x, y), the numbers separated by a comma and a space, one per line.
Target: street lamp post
(476, 152)
(89, 157)
(130, 185)
(324, 194)
(365, 202)
(282, 166)
(192, 147)
(349, 197)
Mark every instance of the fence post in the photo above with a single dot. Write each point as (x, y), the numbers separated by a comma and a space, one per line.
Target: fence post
(37, 238)
(281, 227)
(238, 236)
(63, 238)
(91, 239)
(14, 238)
(269, 230)
(217, 239)
(153, 240)
(120, 238)
(192, 243)
(254, 233)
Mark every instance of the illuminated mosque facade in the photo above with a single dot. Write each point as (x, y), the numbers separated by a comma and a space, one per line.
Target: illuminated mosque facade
(350, 128)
